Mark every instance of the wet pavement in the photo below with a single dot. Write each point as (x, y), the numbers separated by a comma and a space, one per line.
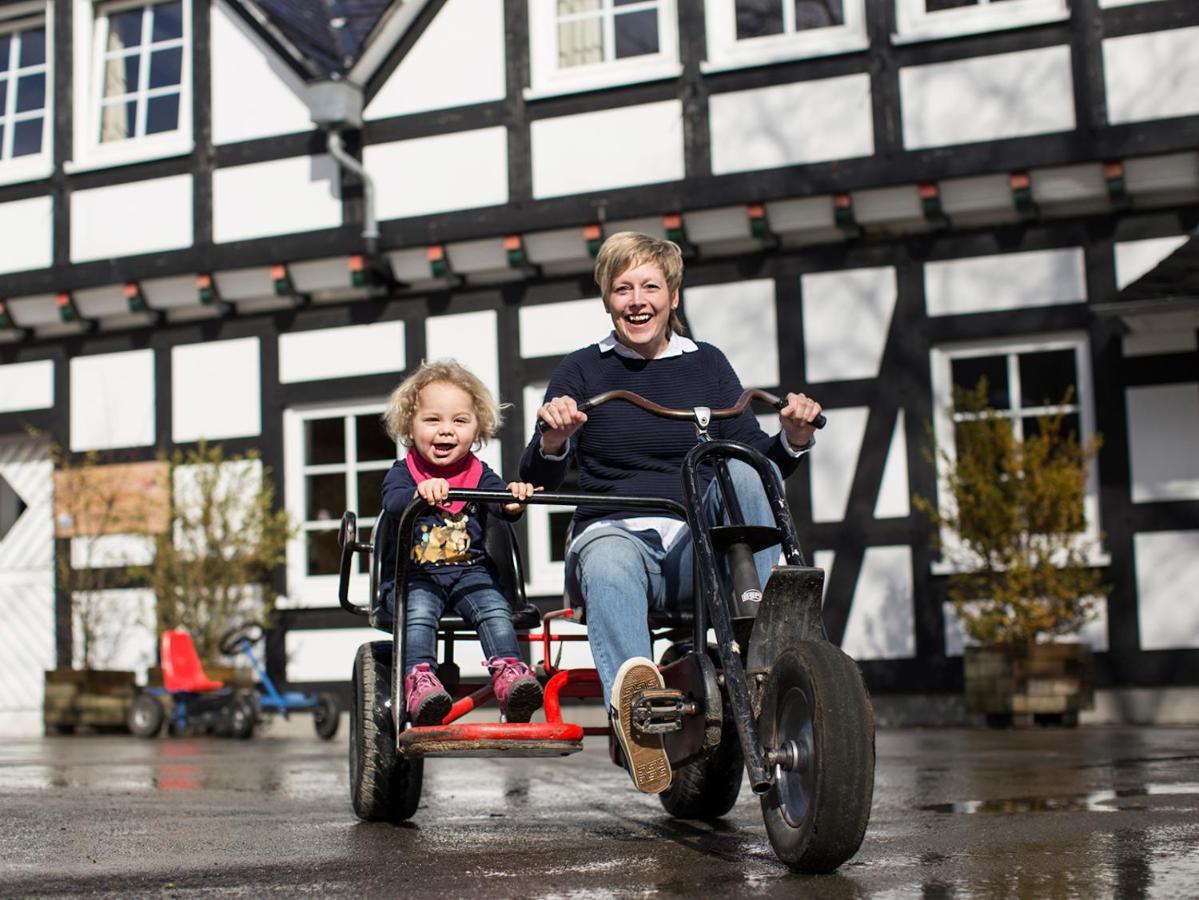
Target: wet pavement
(1091, 812)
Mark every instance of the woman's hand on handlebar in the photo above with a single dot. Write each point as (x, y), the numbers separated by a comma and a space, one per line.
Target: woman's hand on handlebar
(796, 419)
(562, 418)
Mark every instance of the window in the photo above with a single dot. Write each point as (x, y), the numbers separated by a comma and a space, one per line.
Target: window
(136, 88)
(579, 45)
(758, 32)
(1025, 381)
(26, 81)
(922, 19)
(336, 460)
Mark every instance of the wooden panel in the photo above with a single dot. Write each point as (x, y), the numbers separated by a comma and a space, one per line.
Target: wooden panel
(112, 499)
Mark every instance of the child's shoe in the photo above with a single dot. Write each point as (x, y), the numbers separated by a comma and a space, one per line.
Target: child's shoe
(644, 755)
(427, 701)
(516, 688)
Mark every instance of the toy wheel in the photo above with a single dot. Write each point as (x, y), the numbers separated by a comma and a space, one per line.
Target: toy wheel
(242, 717)
(146, 716)
(230, 642)
(383, 787)
(326, 716)
(817, 715)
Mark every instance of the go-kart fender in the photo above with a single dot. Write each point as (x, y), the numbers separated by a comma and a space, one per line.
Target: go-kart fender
(789, 613)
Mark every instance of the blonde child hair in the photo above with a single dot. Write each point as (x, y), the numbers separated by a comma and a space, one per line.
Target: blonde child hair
(626, 249)
(401, 406)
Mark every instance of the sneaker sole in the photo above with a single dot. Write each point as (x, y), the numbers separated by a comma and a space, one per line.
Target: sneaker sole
(524, 700)
(646, 759)
(432, 710)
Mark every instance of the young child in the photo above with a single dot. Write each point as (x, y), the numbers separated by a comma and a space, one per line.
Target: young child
(442, 413)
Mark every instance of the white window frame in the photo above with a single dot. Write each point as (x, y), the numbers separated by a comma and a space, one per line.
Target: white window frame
(547, 80)
(914, 23)
(22, 17)
(940, 359)
(304, 590)
(725, 51)
(89, 151)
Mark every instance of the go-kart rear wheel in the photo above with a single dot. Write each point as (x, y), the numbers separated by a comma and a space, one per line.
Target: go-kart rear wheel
(383, 787)
(817, 716)
(241, 716)
(326, 716)
(146, 716)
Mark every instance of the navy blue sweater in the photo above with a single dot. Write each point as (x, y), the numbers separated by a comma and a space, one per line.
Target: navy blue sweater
(625, 450)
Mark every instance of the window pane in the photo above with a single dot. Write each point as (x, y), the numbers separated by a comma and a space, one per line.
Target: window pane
(373, 442)
(324, 556)
(756, 18)
(31, 92)
(364, 568)
(571, 7)
(162, 114)
(1, 136)
(324, 441)
(27, 137)
(370, 493)
(33, 47)
(5, 46)
(1070, 426)
(120, 75)
(818, 14)
(636, 33)
(117, 121)
(165, 66)
(580, 43)
(168, 22)
(326, 496)
(125, 30)
(937, 5)
(1045, 377)
(967, 372)
(3, 95)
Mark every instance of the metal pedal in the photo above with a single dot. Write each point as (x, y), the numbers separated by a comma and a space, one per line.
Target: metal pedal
(660, 711)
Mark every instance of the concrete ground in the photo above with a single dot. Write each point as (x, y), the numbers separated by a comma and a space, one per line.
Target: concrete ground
(1089, 812)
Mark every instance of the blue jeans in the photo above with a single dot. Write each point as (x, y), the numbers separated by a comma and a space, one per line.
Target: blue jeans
(473, 595)
(620, 575)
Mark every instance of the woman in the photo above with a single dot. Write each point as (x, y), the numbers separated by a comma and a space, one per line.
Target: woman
(621, 564)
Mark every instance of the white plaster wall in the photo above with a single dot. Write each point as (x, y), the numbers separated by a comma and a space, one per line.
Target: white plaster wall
(739, 318)
(128, 219)
(790, 124)
(882, 620)
(893, 492)
(472, 339)
(832, 464)
(1152, 75)
(107, 550)
(553, 329)
(612, 148)
(112, 400)
(1163, 437)
(236, 483)
(325, 654)
(282, 196)
(987, 98)
(1005, 281)
(254, 93)
(463, 170)
(1137, 258)
(1167, 564)
(341, 352)
(846, 316)
(126, 631)
(215, 390)
(28, 385)
(458, 60)
(28, 229)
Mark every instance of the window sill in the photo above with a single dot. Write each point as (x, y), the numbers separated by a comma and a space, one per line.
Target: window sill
(935, 30)
(782, 52)
(32, 168)
(598, 82)
(113, 156)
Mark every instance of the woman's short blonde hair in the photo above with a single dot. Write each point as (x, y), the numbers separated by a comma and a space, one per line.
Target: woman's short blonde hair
(404, 400)
(626, 249)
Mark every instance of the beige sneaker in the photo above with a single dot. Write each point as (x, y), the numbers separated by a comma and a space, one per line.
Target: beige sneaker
(644, 755)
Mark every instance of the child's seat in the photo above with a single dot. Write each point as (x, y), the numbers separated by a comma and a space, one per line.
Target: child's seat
(182, 671)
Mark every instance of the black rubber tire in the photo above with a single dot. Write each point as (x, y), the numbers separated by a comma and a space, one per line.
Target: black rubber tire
(146, 716)
(242, 717)
(816, 816)
(326, 716)
(383, 787)
(230, 642)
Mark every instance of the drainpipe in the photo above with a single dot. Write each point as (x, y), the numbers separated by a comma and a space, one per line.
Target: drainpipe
(335, 105)
(370, 225)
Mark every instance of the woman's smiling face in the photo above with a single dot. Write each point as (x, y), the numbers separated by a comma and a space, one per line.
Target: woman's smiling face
(640, 303)
(445, 425)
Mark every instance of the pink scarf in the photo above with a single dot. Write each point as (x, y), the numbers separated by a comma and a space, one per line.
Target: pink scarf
(463, 474)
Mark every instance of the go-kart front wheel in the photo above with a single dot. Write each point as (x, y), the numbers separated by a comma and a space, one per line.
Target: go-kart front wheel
(816, 717)
(383, 787)
(240, 717)
(326, 716)
(146, 716)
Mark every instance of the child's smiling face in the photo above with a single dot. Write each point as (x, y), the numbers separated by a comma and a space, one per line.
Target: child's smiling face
(445, 425)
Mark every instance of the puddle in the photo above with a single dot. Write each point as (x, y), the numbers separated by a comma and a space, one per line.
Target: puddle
(1092, 801)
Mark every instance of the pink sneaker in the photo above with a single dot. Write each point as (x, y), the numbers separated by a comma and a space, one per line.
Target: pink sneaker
(427, 701)
(516, 688)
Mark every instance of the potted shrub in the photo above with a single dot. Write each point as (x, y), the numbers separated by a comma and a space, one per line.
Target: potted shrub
(1011, 527)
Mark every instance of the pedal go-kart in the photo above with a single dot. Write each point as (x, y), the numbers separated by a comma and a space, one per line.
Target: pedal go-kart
(199, 705)
(772, 698)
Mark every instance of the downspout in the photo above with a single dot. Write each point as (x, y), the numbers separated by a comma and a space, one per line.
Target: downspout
(370, 225)
(336, 104)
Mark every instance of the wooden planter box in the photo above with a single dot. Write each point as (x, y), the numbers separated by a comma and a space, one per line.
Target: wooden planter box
(1025, 684)
(97, 699)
